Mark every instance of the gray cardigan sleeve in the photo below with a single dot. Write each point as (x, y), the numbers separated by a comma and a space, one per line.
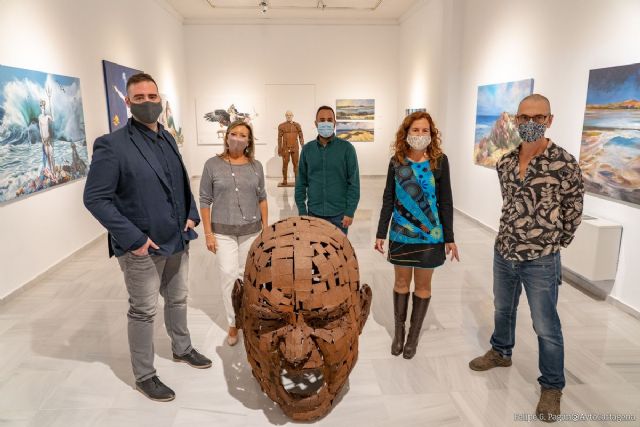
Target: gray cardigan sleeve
(206, 185)
(262, 191)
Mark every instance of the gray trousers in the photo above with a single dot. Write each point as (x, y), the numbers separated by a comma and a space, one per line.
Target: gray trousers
(145, 277)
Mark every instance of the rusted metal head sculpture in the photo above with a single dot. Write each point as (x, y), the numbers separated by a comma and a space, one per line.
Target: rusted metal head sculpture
(302, 308)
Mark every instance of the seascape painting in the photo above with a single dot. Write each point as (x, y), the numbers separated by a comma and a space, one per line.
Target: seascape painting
(496, 132)
(355, 109)
(610, 147)
(355, 131)
(115, 82)
(42, 132)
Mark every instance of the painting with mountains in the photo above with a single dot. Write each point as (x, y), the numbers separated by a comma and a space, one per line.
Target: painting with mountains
(496, 132)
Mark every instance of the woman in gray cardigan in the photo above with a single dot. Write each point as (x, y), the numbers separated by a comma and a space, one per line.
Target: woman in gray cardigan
(233, 196)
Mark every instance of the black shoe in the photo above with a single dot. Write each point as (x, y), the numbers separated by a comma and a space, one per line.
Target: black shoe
(418, 312)
(154, 389)
(194, 359)
(400, 304)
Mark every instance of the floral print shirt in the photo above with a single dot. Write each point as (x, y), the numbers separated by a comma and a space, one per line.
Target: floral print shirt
(541, 213)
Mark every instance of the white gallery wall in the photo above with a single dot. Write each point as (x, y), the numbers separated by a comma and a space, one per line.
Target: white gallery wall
(241, 62)
(72, 38)
(420, 49)
(554, 42)
(435, 58)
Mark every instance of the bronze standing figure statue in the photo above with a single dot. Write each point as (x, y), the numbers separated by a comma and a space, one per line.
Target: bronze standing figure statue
(289, 136)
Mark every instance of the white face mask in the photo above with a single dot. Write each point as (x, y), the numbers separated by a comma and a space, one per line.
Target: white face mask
(418, 142)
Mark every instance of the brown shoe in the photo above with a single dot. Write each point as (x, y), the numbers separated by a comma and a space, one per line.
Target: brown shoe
(491, 359)
(548, 407)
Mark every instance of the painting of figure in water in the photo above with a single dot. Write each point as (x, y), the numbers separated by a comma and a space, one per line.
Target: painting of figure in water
(496, 131)
(42, 135)
(610, 147)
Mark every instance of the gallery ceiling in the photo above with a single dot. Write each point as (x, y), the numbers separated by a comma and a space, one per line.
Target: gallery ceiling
(266, 11)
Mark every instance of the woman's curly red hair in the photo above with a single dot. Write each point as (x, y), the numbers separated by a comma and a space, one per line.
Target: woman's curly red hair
(400, 147)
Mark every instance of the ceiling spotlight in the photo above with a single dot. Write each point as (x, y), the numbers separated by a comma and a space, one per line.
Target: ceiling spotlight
(264, 6)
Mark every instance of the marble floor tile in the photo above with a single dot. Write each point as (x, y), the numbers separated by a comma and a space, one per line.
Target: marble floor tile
(416, 410)
(187, 417)
(65, 358)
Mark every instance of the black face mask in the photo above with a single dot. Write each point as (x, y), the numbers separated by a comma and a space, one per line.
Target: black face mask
(146, 112)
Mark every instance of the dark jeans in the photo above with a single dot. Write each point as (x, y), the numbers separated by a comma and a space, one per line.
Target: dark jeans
(335, 220)
(541, 278)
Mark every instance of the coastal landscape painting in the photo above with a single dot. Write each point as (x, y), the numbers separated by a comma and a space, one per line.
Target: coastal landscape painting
(610, 145)
(496, 132)
(355, 131)
(355, 109)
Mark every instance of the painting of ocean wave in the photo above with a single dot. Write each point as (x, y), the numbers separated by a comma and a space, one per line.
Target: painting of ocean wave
(496, 133)
(42, 134)
(610, 146)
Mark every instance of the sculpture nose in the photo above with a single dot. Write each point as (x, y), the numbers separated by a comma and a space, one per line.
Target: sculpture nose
(297, 345)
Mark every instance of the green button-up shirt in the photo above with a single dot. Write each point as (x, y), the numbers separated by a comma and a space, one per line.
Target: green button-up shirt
(328, 181)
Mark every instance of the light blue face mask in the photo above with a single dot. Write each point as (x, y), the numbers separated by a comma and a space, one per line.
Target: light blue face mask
(325, 129)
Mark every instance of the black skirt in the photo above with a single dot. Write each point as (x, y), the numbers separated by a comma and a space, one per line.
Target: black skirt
(419, 255)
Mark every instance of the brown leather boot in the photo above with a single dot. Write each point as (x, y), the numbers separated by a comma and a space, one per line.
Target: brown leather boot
(400, 305)
(549, 405)
(418, 312)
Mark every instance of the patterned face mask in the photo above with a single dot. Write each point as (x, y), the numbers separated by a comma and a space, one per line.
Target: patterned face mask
(418, 142)
(531, 131)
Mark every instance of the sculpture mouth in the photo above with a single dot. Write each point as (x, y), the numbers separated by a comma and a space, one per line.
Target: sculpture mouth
(303, 383)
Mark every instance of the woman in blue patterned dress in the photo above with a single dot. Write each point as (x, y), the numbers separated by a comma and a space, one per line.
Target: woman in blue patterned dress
(417, 200)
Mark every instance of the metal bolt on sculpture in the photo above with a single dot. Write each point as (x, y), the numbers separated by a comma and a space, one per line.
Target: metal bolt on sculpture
(301, 308)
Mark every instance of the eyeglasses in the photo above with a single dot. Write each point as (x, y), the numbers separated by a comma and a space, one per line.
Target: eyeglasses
(538, 118)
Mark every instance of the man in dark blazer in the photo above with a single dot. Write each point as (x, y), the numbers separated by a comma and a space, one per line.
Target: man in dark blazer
(138, 189)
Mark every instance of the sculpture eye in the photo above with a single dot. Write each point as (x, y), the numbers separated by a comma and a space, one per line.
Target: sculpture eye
(270, 323)
(328, 322)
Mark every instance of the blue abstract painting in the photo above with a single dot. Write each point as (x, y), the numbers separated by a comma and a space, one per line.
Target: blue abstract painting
(115, 82)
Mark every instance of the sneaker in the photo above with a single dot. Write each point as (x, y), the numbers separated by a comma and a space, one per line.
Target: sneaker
(154, 389)
(193, 359)
(549, 405)
(491, 359)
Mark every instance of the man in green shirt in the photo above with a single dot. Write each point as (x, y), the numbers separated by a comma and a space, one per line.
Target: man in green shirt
(328, 183)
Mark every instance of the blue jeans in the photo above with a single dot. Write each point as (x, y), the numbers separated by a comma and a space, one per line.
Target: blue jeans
(541, 278)
(335, 220)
